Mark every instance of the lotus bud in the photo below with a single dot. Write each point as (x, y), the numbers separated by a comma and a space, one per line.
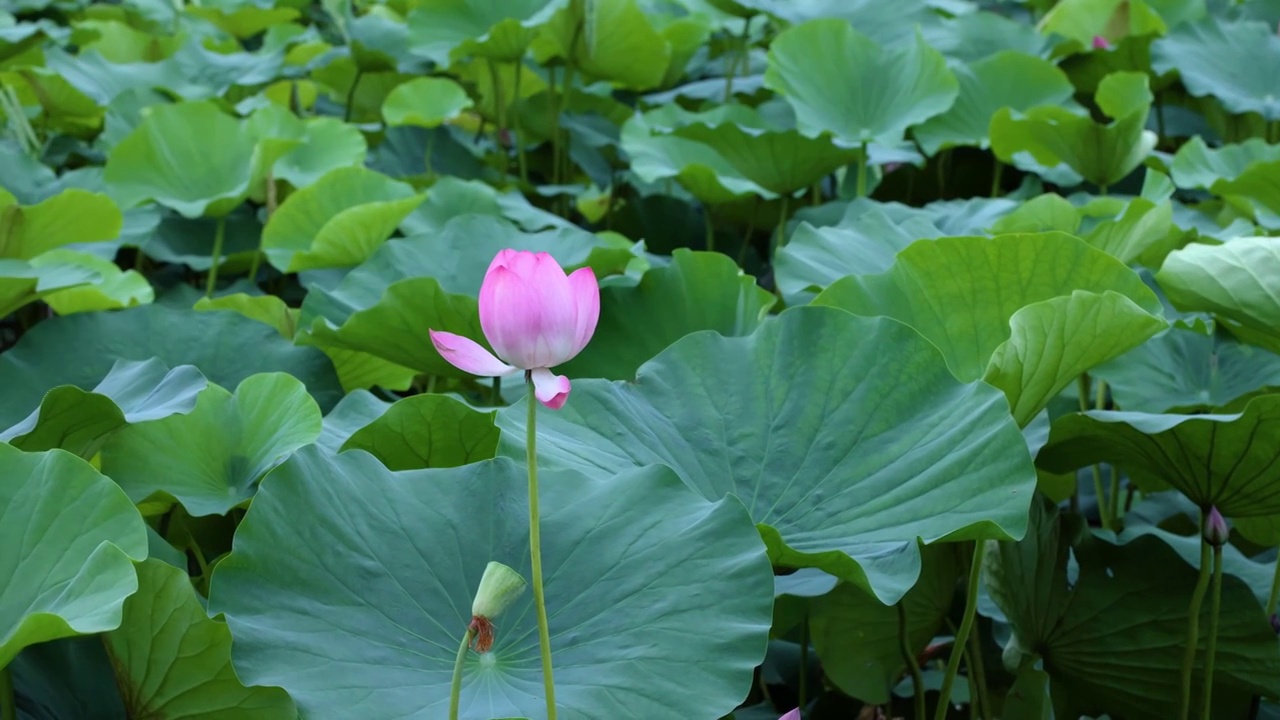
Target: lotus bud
(793, 715)
(1216, 530)
(1100, 43)
(499, 587)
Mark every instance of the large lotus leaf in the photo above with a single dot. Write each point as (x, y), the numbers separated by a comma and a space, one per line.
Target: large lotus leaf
(720, 160)
(1187, 370)
(1211, 56)
(214, 456)
(895, 450)
(355, 369)
(225, 346)
(1239, 281)
(972, 36)
(446, 30)
(450, 197)
(1246, 174)
(168, 158)
(337, 222)
(244, 20)
(63, 107)
(857, 637)
(615, 41)
(171, 660)
(887, 24)
(78, 421)
(1007, 79)
(23, 282)
(1054, 341)
(322, 144)
(862, 243)
(1114, 20)
(1135, 230)
(644, 581)
(71, 538)
(1055, 136)
(1029, 312)
(841, 81)
(1226, 460)
(385, 306)
(427, 431)
(72, 216)
(639, 321)
(194, 72)
(1110, 623)
(425, 102)
(114, 288)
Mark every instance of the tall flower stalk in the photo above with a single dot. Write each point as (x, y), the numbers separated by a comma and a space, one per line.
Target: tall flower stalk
(535, 317)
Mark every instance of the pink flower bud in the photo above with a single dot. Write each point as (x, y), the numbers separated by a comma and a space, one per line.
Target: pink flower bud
(1215, 528)
(534, 316)
(1100, 43)
(793, 715)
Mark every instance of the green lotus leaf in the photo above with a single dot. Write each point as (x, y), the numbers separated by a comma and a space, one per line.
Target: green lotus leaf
(1245, 174)
(842, 82)
(427, 431)
(133, 392)
(171, 660)
(897, 450)
(719, 160)
(71, 677)
(1137, 230)
(1187, 370)
(425, 102)
(23, 282)
(40, 361)
(972, 36)
(856, 636)
(615, 41)
(639, 321)
(1083, 20)
(863, 242)
(114, 288)
(1006, 79)
(1226, 280)
(644, 580)
(62, 106)
(267, 309)
(340, 221)
(75, 579)
(189, 241)
(450, 197)
(167, 159)
(1209, 57)
(886, 24)
(1111, 631)
(1028, 312)
(245, 20)
(1055, 136)
(446, 30)
(323, 144)
(214, 455)
(1224, 459)
(72, 216)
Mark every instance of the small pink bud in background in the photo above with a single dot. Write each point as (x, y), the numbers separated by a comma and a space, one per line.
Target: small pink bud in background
(1100, 43)
(1215, 528)
(534, 316)
(793, 715)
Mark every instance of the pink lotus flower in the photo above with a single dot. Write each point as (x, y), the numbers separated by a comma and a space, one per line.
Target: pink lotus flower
(534, 316)
(793, 715)
(1100, 43)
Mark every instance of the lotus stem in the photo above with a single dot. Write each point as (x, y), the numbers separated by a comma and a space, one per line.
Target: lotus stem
(978, 670)
(1104, 510)
(219, 235)
(804, 662)
(351, 97)
(909, 657)
(500, 116)
(455, 690)
(1193, 622)
(962, 635)
(535, 550)
(517, 132)
(861, 186)
(1215, 605)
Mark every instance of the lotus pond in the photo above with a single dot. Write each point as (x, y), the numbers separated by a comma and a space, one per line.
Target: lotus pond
(639, 359)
